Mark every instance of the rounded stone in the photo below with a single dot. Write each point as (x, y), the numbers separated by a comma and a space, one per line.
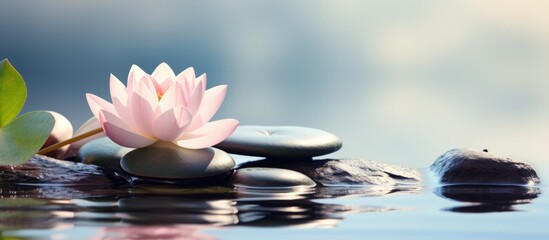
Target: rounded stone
(470, 166)
(102, 152)
(280, 142)
(62, 130)
(89, 125)
(345, 172)
(164, 160)
(256, 177)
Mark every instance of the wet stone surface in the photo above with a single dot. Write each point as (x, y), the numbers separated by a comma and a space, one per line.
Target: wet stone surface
(102, 152)
(470, 166)
(256, 177)
(333, 172)
(41, 170)
(167, 161)
(280, 142)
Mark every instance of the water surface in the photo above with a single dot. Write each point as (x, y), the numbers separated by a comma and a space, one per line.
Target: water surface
(166, 212)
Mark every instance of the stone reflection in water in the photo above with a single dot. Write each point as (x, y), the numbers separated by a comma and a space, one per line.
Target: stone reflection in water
(168, 232)
(16, 213)
(167, 209)
(291, 208)
(44, 206)
(487, 198)
(370, 191)
(175, 210)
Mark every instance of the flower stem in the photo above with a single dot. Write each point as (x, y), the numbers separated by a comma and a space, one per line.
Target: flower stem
(69, 141)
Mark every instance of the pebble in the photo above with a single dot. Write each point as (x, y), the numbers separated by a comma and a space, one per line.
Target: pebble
(165, 160)
(257, 177)
(470, 166)
(89, 125)
(62, 130)
(102, 152)
(345, 172)
(280, 142)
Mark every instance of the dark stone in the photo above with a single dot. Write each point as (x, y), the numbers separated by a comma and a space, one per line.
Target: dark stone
(102, 152)
(280, 142)
(164, 160)
(216, 180)
(332, 172)
(469, 166)
(255, 177)
(42, 170)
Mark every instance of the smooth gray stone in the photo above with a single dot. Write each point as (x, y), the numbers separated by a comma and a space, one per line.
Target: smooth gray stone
(258, 177)
(164, 160)
(42, 170)
(102, 152)
(470, 166)
(344, 172)
(280, 142)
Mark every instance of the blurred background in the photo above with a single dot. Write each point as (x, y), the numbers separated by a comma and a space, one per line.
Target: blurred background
(398, 81)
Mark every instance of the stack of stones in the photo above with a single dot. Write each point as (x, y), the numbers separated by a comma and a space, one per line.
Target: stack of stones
(286, 155)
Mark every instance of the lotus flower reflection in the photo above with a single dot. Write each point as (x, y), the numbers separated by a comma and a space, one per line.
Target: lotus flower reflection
(162, 107)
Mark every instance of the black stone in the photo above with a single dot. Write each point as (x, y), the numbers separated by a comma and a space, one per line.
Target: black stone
(280, 142)
(258, 177)
(167, 161)
(102, 152)
(469, 166)
(333, 172)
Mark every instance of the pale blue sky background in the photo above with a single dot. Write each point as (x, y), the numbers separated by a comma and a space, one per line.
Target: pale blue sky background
(398, 81)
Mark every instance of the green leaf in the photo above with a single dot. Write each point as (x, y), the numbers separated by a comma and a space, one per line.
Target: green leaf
(13, 92)
(24, 136)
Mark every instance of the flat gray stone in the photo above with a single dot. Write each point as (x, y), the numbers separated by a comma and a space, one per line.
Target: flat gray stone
(164, 160)
(42, 170)
(280, 142)
(345, 172)
(470, 166)
(102, 152)
(258, 177)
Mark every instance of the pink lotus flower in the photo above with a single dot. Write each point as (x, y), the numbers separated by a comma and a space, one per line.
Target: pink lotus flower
(162, 107)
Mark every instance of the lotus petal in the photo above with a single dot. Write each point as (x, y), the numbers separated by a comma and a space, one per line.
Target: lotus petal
(123, 136)
(164, 76)
(142, 114)
(173, 97)
(212, 100)
(136, 74)
(96, 104)
(208, 135)
(196, 98)
(118, 90)
(169, 125)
